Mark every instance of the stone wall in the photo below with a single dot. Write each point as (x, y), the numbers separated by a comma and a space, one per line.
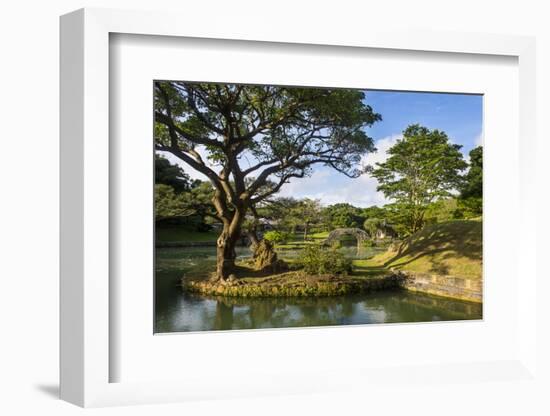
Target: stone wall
(447, 286)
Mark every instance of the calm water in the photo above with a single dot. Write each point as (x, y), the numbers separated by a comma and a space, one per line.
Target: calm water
(177, 311)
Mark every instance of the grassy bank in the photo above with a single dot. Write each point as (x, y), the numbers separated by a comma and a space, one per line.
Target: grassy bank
(452, 248)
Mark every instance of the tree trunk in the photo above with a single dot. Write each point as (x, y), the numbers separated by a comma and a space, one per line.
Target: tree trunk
(225, 255)
(253, 237)
(225, 247)
(305, 231)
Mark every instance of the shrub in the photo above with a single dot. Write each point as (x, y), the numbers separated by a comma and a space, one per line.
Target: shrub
(277, 237)
(368, 243)
(318, 260)
(372, 225)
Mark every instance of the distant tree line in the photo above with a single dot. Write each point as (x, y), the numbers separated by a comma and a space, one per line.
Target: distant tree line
(186, 202)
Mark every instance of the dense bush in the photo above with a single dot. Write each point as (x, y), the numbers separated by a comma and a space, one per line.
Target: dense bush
(318, 260)
(372, 225)
(277, 237)
(368, 243)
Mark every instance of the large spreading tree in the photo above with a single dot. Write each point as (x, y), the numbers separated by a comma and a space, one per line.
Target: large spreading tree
(422, 167)
(251, 140)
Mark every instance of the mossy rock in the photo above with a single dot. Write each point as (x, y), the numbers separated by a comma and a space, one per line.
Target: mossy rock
(265, 258)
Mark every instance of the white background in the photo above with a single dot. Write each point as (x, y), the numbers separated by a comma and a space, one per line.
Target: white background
(29, 163)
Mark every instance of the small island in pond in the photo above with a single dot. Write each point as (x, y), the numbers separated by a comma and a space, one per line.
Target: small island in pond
(285, 206)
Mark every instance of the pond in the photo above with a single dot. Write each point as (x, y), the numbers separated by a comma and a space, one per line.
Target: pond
(176, 311)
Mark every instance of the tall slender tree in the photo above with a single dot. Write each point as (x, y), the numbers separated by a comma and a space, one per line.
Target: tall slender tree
(241, 137)
(422, 167)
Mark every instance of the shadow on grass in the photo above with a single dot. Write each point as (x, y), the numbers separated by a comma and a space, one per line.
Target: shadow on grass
(460, 238)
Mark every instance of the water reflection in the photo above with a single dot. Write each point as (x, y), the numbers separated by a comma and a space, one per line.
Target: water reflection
(177, 311)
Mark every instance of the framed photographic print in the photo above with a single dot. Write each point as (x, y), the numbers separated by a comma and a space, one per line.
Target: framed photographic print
(274, 206)
(245, 215)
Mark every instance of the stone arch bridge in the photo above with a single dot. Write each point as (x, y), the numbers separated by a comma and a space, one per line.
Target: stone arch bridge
(335, 235)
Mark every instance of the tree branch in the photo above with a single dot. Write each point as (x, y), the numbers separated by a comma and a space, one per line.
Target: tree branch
(277, 187)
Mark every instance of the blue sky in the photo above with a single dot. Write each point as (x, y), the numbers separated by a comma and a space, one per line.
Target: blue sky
(458, 115)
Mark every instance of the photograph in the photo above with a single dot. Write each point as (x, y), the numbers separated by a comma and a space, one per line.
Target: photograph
(296, 206)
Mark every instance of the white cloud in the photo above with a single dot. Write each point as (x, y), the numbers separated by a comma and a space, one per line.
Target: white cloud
(361, 191)
(382, 146)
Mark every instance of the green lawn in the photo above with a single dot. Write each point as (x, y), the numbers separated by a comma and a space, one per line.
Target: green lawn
(451, 248)
(367, 268)
(319, 236)
(297, 240)
(182, 234)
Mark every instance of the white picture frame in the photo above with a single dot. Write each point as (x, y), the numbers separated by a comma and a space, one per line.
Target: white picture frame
(86, 356)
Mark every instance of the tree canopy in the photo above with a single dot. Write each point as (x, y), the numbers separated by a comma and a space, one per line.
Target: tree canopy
(177, 196)
(471, 195)
(422, 167)
(473, 183)
(172, 175)
(306, 214)
(343, 215)
(283, 130)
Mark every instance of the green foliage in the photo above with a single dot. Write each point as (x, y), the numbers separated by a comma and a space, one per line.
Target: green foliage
(271, 126)
(368, 243)
(200, 198)
(442, 210)
(379, 228)
(277, 210)
(471, 207)
(277, 237)
(375, 212)
(169, 204)
(453, 209)
(291, 284)
(399, 218)
(183, 234)
(292, 214)
(421, 168)
(342, 215)
(317, 260)
(180, 200)
(471, 196)
(171, 175)
(372, 225)
(473, 184)
(306, 214)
